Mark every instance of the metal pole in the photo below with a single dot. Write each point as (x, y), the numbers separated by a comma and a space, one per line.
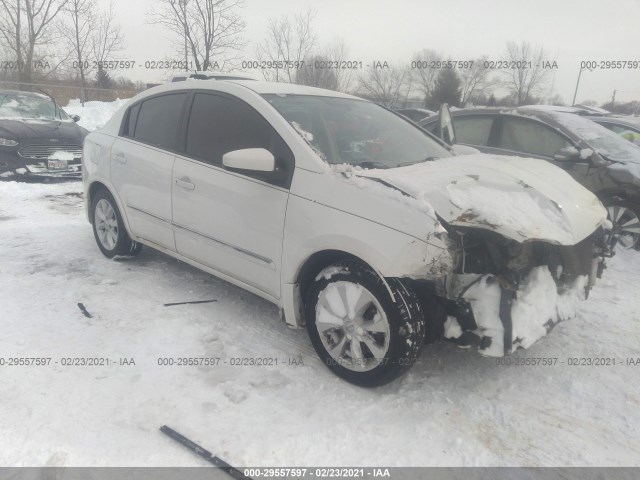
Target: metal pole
(186, 54)
(576, 92)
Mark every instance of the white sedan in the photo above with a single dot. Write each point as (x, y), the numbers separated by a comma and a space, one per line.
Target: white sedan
(358, 224)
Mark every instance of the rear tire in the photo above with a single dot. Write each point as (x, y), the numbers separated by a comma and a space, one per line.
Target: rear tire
(362, 332)
(108, 228)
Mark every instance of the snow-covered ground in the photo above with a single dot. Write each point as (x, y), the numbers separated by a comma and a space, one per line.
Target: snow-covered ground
(93, 115)
(454, 408)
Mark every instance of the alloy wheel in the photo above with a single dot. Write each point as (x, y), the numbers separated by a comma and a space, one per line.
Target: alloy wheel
(626, 227)
(106, 224)
(352, 326)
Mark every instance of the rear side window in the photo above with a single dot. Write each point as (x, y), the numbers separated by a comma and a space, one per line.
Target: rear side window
(473, 130)
(158, 120)
(527, 136)
(218, 125)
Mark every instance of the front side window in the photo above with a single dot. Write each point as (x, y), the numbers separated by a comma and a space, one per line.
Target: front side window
(619, 129)
(158, 120)
(356, 132)
(527, 136)
(473, 130)
(607, 143)
(219, 125)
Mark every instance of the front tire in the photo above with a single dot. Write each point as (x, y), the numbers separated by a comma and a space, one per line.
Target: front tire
(108, 228)
(364, 333)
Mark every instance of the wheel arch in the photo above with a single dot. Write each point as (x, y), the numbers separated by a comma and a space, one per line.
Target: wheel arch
(97, 185)
(294, 295)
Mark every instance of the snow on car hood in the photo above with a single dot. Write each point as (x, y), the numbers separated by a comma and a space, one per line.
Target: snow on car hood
(520, 198)
(29, 128)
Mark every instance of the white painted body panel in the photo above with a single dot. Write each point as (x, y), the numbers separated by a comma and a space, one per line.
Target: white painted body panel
(230, 222)
(141, 175)
(259, 236)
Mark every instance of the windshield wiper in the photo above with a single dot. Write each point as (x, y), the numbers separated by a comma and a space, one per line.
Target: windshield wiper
(428, 159)
(372, 165)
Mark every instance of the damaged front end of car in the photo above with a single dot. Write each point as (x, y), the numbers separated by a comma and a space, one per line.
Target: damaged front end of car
(503, 295)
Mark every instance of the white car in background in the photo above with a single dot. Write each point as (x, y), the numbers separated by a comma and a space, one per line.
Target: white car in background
(206, 75)
(358, 224)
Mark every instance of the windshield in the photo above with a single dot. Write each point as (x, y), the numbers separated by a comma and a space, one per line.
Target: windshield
(601, 139)
(19, 106)
(356, 132)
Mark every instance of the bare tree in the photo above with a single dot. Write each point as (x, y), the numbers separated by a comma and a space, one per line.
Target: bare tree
(91, 36)
(526, 75)
(211, 29)
(288, 43)
(26, 25)
(425, 75)
(315, 75)
(76, 30)
(474, 81)
(329, 68)
(337, 51)
(387, 86)
(107, 37)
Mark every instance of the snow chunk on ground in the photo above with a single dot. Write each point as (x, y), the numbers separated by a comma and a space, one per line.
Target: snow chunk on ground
(537, 308)
(534, 307)
(452, 328)
(484, 297)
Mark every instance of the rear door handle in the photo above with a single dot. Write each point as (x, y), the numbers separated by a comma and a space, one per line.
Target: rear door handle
(120, 158)
(185, 183)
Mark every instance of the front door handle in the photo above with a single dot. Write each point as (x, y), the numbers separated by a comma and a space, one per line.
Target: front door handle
(185, 183)
(120, 158)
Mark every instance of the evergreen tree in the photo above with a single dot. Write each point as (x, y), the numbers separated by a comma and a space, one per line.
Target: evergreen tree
(446, 89)
(103, 79)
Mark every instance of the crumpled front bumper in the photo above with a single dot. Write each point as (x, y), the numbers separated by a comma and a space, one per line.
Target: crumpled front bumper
(499, 313)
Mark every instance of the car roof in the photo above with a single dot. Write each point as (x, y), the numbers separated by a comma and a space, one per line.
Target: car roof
(630, 121)
(258, 86)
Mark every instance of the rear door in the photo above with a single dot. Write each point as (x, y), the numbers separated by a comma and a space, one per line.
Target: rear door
(141, 165)
(231, 221)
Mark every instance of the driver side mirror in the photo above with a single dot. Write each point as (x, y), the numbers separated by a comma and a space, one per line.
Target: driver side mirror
(567, 154)
(444, 126)
(252, 159)
(75, 118)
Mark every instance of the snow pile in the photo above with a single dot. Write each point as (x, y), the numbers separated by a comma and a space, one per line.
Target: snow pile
(537, 308)
(94, 114)
(484, 297)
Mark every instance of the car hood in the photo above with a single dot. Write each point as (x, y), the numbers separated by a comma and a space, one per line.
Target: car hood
(20, 129)
(520, 198)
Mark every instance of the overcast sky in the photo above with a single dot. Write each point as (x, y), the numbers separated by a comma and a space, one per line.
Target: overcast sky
(392, 30)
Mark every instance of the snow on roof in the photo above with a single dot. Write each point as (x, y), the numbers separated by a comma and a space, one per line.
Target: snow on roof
(262, 87)
(556, 108)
